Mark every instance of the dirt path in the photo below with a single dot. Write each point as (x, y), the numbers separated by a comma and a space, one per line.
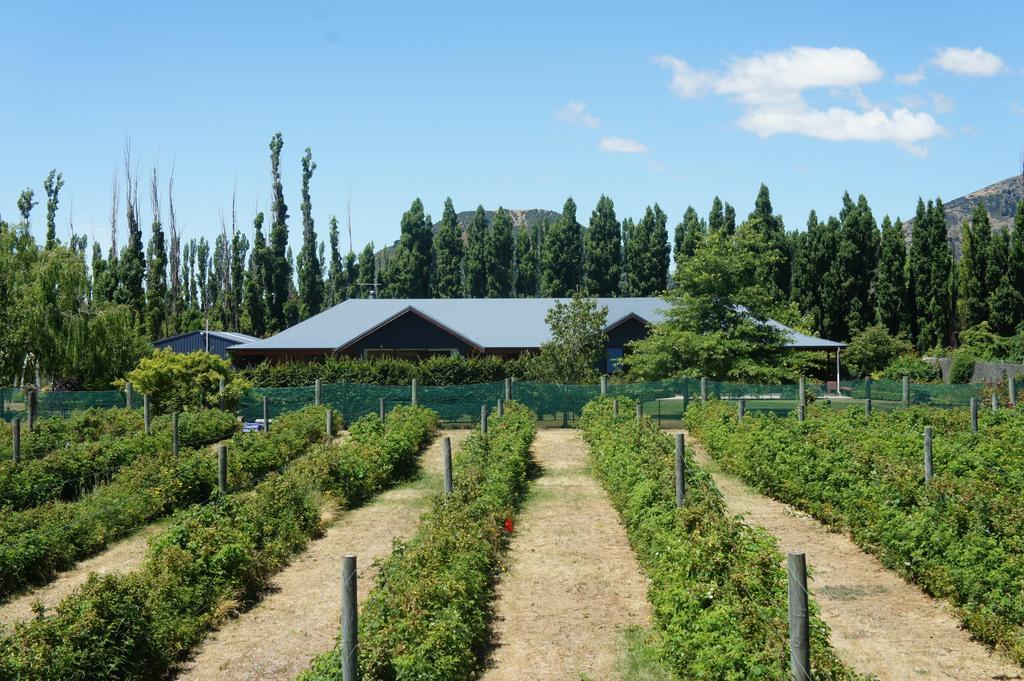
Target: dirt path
(278, 638)
(574, 584)
(881, 625)
(120, 557)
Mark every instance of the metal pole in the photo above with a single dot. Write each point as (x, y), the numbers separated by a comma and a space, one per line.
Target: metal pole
(741, 410)
(838, 376)
(604, 385)
(501, 407)
(615, 408)
(799, 625)
(906, 391)
(128, 395)
(146, 423)
(266, 414)
(483, 419)
(381, 410)
(330, 423)
(703, 389)
(927, 454)
(412, 392)
(680, 471)
(974, 414)
(446, 459)
(174, 433)
(349, 620)
(318, 393)
(16, 436)
(222, 469)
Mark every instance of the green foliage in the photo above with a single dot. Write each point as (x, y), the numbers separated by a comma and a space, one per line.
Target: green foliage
(53, 434)
(527, 262)
(211, 554)
(957, 537)
(974, 286)
(448, 250)
(891, 278)
(414, 257)
(178, 381)
(476, 255)
(439, 370)
(930, 265)
(52, 186)
(562, 255)
(717, 591)
(427, 615)
(912, 366)
(499, 256)
(311, 269)
(774, 268)
(872, 350)
(646, 254)
(602, 265)
(577, 343)
(278, 264)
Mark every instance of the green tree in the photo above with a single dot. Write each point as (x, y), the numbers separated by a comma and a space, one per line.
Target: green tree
(858, 251)
(185, 381)
(930, 270)
(873, 349)
(52, 185)
(562, 255)
(476, 255)
(499, 256)
(1003, 299)
(414, 256)
(976, 282)
(730, 219)
(577, 345)
(311, 269)
(1015, 268)
(527, 261)
(603, 250)
(775, 266)
(367, 271)
(448, 250)
(156, 282)
(132, 269)
(254, 298)
(279, 265)
(26, 203)
(336, 283)
(647, 254)
(716, 218)
(352, 275)
(890, 278)
(688, 234)
(717, 319)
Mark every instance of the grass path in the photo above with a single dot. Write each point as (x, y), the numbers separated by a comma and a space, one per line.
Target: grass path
(573, 586)
(881, 625)
(300, 617)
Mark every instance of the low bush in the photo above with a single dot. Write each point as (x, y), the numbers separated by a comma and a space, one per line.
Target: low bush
(214, 558)
(52, 434)
(181, 381)
(427, 616)
(67, 473)
(958, 537)
(717, 590)
(37, 542)
(913, 367)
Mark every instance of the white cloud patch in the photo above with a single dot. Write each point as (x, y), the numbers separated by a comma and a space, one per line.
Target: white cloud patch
(622, 145)
(1017, 108)
(912, 78)
(576, 113)
(771, 88)
(963, 62)
(941, 103)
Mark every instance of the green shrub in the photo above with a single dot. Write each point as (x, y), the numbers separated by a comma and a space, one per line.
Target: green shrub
(179, 382)
(52, 434)
(427, 616)
(912, 366)
(717, 590)
(958, 537)
(136, 626)
(872, 350)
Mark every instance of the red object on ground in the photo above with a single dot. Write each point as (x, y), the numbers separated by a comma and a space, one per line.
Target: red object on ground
(508, 525)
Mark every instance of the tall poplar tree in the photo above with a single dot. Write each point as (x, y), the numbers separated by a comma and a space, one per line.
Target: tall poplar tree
(336, 283)
(499, 256)
(1003, 298)
(476, 255)
(414, 256)
(976, 282)
(279, 265)
(930, 268)
(156, 281)
(562, 257)
(52, 185)
(132, 269)
(367, 271)
(688, 235)
(448, 250)
(647, 254)
(527, 262)
(603, 250)
(890, 278)
(776, 266)
(311, 270)
(858, 250)
(716, 218)
(730, 219)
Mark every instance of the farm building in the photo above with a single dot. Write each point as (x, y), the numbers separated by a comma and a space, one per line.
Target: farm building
(418, 328)
(214, 342)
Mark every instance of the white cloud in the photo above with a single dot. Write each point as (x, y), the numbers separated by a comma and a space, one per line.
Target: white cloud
(941, 103)
(576, 114)
(622, 145)
(1016, 108)
(771, 87)
(912, 78)
(964, 62)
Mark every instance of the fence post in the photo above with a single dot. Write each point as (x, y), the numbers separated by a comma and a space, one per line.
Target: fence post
(867, 388)
(414, 398)
(615, 408)
(639, 410)
(446, 460)
(799, 626)
(906, 391)
(501, 407)
(222, 469)
(318, 396)
(146, 423)
(800, 412)
(604, 385)
(741, 410)
(680, 471)
(16, 437)
(867, 407)
(381, 410)
(174, 433)
(802, 392)
(349, 620)
(220, 392)
(266, 414)
(508, 389)
(128, 394)
(330, 424)
(1011, 388)
(927, 454)
(995, 403)
(483, 419)
(974, 414)
(32, 406)
(703, 389)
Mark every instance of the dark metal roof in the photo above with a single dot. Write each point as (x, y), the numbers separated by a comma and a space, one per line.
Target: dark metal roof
(230, 336)
(482, 322)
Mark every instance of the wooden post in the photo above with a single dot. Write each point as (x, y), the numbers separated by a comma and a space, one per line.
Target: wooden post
(318, 396)
(1011, 388)
(800, 412)
(330, 424)
(446, 460)
(483, 419)
(906, 391)
(16, 437)
(974, 414)
(174, 433)
(703, 389)
(604, 385)
(412, 392)
(867, 388)
(639, 410)
(508, 389)
(680, 471)
(995, 403)
(349, 621)
(222, 469)
(615, 408)
(266, 414)
(867, 406)
(128, 395)
(220, 392)
(799, 625)
(927, 454)
(501, 407)
(741, 410)
(32, 405)
(146, 423)
(381, 410)
(802, 392)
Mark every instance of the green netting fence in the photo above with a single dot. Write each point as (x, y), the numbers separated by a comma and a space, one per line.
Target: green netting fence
(14, 402)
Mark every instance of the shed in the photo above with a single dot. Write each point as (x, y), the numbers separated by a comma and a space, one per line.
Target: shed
(214, 342)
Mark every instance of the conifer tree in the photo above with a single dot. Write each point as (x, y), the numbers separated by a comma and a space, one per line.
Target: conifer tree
(776, 266)
(730, 219)
(156, 282)
(1004, 298)
(603, 250)
(367, 271)
(279, 264)
(716, 218)
(52, 185)
(647, 254)
(930, 268)
(858, 251)
(352, 276)
(132, 270)
(254, 297)
(413, 264)
(476, 255)
(239, 250)
(336, 284)
(976, 282)
(448, 251)
(527, 261)
(1015, 267)
(499, 256)
(688, 235)
(311, 271)
(890, 278)
(562, 256)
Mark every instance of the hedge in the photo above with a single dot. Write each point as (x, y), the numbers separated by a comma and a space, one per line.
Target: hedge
(36, 543)
(67, 473)
(717, 589)
(959, 537)
(53, 434)
(427, 616)
(213, 559)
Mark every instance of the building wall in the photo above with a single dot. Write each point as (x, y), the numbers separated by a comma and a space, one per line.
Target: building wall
(194, 341)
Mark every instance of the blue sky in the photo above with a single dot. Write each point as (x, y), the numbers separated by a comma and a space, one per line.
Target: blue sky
(517, 104)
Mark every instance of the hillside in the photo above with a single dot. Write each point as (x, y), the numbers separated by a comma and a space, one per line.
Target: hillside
(520, 219)
(1000, 199)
